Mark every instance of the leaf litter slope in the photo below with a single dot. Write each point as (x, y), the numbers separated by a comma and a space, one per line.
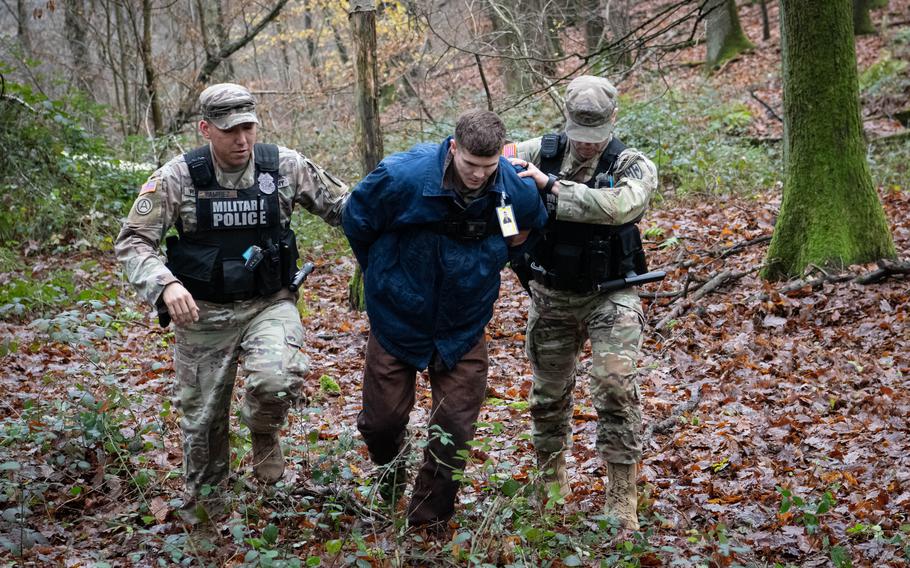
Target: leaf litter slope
(805, 391)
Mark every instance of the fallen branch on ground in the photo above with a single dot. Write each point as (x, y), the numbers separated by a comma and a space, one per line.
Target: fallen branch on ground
(887, 268)
(716, 281)
(672, 419)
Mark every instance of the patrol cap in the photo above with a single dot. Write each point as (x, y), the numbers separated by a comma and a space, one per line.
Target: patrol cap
(590, 103)
(226, 105)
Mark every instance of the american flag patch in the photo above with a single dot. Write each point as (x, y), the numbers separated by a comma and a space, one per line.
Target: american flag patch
(149, 186)
(510, 150)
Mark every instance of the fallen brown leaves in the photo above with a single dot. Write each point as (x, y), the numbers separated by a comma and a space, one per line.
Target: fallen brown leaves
(804, 391)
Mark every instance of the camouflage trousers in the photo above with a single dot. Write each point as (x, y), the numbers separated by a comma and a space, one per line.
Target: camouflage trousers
(559, 323)
(264, 335)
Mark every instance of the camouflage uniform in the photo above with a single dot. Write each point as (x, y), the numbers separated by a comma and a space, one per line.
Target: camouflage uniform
(263, 334)
(560, 321)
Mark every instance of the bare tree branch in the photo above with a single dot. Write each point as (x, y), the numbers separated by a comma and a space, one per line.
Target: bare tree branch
(185, 110)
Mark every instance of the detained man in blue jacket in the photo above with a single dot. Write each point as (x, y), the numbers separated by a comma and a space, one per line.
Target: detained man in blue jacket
(431, 229)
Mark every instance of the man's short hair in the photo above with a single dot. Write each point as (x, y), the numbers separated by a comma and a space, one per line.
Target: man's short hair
(480, 132)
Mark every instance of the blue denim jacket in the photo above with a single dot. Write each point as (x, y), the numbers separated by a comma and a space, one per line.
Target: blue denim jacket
(426, 291)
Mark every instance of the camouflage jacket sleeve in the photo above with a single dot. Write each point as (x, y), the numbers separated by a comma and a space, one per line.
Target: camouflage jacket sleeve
(138, 245)
(635, 180)
(318, 191)
(529, 150)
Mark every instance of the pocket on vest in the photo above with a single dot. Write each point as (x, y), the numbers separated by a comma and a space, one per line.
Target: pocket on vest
(195, 261)
(238, 281)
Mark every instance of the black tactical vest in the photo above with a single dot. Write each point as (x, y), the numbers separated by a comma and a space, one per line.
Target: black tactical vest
(578, 256)
(239, 250)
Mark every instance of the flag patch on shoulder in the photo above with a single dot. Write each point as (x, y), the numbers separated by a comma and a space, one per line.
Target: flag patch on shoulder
(510, 150)
(149, 187)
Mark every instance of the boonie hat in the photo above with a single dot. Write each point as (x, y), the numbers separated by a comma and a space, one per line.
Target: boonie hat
(226, 105)
(590, 102)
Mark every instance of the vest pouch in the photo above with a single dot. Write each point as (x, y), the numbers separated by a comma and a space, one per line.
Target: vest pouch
(192, 262)
(289, 256)
(629, 251)
(566, 266)
(600, 266)
(268, 273)
(239, 282)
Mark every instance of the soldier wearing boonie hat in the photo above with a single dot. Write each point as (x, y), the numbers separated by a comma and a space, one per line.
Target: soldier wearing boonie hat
(225, 283)
(590, 109)
(595, 190)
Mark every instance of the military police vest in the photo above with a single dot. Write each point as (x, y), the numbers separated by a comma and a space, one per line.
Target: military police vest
(578, 256)
(239, 249)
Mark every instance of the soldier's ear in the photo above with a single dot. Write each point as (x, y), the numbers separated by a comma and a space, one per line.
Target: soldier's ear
(204, 129)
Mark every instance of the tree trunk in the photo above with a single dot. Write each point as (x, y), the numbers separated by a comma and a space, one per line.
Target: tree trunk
(124, 63)
(76, 32)
(22, 18)
(151, 78)
(765, 21)
(591, 12)
(212, 62)
(862, 23)
(725, 36)
(620, 26)
(540, 36)
(516, 74)
(285, 55)
(221, 32)
(830, 214)
(340, 44)
(369, 129)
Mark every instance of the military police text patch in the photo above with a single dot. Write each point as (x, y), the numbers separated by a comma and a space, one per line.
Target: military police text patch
(144, 206)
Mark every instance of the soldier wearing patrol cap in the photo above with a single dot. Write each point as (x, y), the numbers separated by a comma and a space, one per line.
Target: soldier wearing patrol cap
(595, 190)
(225, 279)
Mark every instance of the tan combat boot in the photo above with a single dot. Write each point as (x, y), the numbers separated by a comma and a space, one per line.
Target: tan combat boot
(553, 470)
(622, 496)
(268, 461)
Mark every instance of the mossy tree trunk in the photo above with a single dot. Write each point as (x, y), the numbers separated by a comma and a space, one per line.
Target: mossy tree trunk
(725, 39)
(830, 215)
(369, 130)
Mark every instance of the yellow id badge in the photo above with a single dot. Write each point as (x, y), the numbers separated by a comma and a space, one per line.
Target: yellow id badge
(507, 220)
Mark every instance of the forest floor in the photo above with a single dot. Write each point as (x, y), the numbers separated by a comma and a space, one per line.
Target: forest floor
(752, 398)
(777, 416)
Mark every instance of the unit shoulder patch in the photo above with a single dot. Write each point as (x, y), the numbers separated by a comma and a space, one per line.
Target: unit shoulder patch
(510, 150)
(634, 171)
(144, 206)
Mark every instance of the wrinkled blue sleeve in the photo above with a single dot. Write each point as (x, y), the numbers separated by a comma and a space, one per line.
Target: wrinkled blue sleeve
(365, 216)
(530, 212)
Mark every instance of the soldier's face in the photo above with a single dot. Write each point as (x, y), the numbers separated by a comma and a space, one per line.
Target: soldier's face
(473, 170)
(232, 147)
(587, 150)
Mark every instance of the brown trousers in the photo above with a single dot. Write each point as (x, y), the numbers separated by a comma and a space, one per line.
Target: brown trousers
(388, 397)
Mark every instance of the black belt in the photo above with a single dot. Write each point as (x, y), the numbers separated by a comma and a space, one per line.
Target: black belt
(465, 229)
